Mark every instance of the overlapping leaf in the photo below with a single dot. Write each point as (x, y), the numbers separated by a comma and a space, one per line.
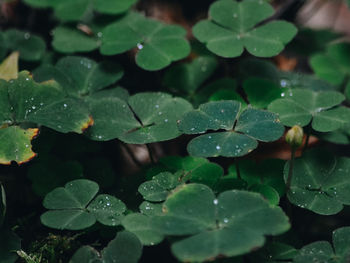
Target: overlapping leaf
(76, 206)
(239, 138)
(232, 27)
(31, 47)
(333, 65)
(300, 107)
(158, 44)
(125, 248)
(323, 251)
(320, 182)
(67, 10)
(228, 226)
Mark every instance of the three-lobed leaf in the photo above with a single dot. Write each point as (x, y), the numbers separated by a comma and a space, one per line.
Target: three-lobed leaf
(232, 27)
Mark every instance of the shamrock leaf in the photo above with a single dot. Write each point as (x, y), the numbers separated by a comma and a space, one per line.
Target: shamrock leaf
(125, 248)
(75, 207)
(230, 225)
(232, 27)
(240, 137)
(30, 47)
(323, 251)
(158, 44)
(333, 65)
(320, 182)
(301, 107)
(67, 10)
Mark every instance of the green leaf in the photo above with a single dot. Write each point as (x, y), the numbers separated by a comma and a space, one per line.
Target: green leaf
(15, 144)
(268, 192)
(210, 116)
(188, 77)
(113, 7)
(71, 10)
(158, 114)
(322, 251)
(46, 104)
(49, 172)
(75, 207)
(254, 124)
(320, 182)
(71, 40)
(332, 66)
(231, 28)
(159, 187)
(125, 248)
(158, 44)
(107, 209)
(81, 76)
(230, 225)
(150, 209)
(85, 254)
(141, 225)
(302, 106)
(30, 47)
(274, 252)
(9, 244)
(261, 93)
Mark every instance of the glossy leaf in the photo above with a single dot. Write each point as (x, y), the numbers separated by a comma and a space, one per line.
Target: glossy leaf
(334, 65)
(30, 47)
(85, 254)
(231, 28)
(71, 40)
(75, 207)
(274, 252)
(112, 7)
(158, 44)
(320, 182)
(261, 93)
(141, 225)
(15, 144)
(323, 251)
(228, 226)
(303, 106)
(125, 248)
(188, 77)
(252, 125)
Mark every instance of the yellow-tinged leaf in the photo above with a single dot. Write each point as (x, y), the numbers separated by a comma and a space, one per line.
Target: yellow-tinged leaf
(9, 67)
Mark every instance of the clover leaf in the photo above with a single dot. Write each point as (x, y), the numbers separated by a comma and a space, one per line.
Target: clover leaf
(158, 44)
(141, 225)
(300, 107)
(231, 224)
(125, 248)
(188, 77)
(232, 27)
(320, 182)
(71, 40)
(30, 47)
(332, 66)
(23, 101)
(274, 252)
(67, 10)
(323, 251)
(240, 137)
(76, 206)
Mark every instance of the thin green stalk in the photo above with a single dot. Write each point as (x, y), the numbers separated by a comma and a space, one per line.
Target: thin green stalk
(237, 169)
(290, 172)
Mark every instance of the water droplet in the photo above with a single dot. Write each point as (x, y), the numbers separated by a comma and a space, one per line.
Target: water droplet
(218, 147)
(160, 113)
(225, 220)
(65, 105)
(26, 36)
(166, 120)
(283, 94)
(192, 129)
(27, 145)
(156, 106)
(27, 79)
(100, 137)
(139, 46)
(283, 83)
(33, 107)
(215, 201)
(99, 34)
(235, 15)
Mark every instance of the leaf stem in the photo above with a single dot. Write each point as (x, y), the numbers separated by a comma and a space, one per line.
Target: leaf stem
(290, 172)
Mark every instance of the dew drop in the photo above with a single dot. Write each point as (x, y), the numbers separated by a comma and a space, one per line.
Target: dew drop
(215, 201)
(139, 46)
(218, 147)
